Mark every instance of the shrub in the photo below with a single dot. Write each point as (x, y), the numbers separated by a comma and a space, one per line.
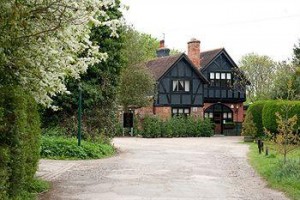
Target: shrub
(66, 148)
(205, 128)
(19, 141)
(152, 127)
(249, 128)
(270, 109)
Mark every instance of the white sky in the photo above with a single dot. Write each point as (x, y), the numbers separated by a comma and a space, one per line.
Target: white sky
(266, 27)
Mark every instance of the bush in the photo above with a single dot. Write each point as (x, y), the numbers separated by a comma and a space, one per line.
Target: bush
(249, 127)
(19, 142)
(66, 148)
(153, 127)
(271, 107)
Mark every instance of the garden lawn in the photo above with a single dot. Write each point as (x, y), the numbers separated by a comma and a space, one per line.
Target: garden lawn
(284, 177)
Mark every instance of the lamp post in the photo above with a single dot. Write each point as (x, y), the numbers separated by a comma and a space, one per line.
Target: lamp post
(79, 114)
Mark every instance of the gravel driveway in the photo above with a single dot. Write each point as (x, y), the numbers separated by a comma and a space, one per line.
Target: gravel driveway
(161, 169)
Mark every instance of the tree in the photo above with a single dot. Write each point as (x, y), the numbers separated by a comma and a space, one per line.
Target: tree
(139, 47)
(286, 83)
(99, 86)
(286, 139)
(260, 71)
(137, 84)
(287, 79)
(136, 87)
(44, 42)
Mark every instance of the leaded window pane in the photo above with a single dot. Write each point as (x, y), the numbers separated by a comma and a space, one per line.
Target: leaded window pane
(229, 115)
(180, 86)
(229, 76)
(175, 85)
(187, 86)
(223, 75)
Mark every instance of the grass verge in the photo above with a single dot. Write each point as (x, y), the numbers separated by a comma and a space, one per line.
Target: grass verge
(58, 147)
(284, 177)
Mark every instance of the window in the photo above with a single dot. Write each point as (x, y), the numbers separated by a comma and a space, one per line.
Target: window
(181, 86)
(209, 115)
(220, 79)
(181, 111)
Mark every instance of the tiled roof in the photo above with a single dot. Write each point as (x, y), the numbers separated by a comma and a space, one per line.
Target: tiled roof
(159, 66)
(207, 56)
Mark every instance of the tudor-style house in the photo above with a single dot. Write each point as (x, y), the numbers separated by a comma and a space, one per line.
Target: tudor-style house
(202, 84)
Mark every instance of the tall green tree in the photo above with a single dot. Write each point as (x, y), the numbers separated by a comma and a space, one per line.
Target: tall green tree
(137, 83)
(260, 71)
(287, 79)
(98, 84)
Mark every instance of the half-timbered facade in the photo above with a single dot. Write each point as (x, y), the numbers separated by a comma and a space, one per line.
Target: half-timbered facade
(203, 84)
(226, 91)
(180, 85)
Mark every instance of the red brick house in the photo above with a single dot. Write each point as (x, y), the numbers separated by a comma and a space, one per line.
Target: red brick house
(202, 84)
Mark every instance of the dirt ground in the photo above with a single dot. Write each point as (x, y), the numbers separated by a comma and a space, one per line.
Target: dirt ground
(161, 169)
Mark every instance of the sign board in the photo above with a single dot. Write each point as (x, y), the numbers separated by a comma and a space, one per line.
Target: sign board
(128, 120)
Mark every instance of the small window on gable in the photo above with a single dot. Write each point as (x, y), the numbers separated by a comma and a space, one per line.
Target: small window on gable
(181, 86)
(223, 75)
(228, 76)
(212, 75)
(217, 75)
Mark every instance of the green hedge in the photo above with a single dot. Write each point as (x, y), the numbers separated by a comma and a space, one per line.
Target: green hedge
(153, 127)
(256, 110)
(283, 107)
(264, 113)
(19, 142)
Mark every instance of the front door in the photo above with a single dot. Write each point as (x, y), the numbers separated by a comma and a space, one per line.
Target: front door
(218, 122)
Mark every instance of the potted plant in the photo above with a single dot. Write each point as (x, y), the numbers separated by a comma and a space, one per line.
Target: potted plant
(249, 129)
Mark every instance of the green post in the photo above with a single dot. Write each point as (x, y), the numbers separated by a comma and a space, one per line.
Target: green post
(79, 115)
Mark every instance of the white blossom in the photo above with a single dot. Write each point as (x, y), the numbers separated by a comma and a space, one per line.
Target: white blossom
(54, 42)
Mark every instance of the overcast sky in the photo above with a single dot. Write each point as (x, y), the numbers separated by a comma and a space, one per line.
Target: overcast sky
(267, 27)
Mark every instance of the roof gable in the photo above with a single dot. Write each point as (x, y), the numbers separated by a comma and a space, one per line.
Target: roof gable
(161, 66)
(208, 57)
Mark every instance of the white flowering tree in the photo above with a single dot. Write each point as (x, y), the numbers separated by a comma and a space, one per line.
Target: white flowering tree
(44, 42)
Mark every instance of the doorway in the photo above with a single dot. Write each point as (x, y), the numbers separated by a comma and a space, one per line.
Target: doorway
(220, 115)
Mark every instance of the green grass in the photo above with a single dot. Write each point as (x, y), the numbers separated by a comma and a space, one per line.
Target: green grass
(58, 147)
(284, 177)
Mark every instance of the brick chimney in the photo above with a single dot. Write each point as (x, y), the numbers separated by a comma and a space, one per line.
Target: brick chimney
(194, 52)
(162, 51)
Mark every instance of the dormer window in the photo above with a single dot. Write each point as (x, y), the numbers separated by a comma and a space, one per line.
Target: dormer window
(181, 86)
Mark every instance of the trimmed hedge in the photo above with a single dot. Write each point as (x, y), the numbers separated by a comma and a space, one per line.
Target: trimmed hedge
(19, 142)
(264, 113)
(153, 127)
(271, 107)
(256, 110)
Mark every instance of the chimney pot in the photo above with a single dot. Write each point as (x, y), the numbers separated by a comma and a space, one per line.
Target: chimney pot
(162, 51)
(162, 44)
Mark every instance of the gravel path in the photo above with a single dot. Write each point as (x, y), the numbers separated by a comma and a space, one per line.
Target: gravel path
(161, 169)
